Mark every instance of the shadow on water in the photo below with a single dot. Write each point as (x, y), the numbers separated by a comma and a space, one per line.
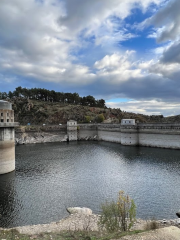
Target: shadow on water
(7, 196)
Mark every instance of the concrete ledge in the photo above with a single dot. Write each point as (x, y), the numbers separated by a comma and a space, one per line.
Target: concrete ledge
(9, 124)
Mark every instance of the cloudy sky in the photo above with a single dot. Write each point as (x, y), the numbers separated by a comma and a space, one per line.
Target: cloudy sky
(124, 51)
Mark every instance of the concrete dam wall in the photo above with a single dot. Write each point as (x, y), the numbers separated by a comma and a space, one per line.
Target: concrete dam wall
(151, 135)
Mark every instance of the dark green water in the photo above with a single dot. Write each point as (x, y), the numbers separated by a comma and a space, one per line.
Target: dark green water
(50, 177)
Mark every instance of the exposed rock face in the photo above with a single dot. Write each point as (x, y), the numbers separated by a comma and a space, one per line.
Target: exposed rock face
(40, 134)
(78, 210)
(178, 213)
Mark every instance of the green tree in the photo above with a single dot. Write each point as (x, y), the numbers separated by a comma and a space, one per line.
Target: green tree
(100, 103)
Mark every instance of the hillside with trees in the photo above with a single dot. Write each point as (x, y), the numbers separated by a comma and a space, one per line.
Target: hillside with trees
(37, 106)
(41, 94)
(38, 112)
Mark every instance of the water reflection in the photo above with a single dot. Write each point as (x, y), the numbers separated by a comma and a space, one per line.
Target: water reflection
(7, 198)
(51, 177)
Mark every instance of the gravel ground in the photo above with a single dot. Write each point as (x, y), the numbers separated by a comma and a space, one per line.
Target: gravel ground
(85, 222)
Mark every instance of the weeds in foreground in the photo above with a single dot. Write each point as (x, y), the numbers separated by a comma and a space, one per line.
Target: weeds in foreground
(64, 235)
(118, 216)
(151, 225)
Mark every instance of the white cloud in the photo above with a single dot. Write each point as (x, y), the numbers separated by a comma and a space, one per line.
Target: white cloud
(118, 67)
(152, 107)
(38, 39)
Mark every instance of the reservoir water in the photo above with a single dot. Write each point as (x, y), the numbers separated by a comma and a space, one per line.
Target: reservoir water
(50, 177)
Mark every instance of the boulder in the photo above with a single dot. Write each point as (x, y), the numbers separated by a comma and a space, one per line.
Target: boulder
(178, 213)
(73, 210)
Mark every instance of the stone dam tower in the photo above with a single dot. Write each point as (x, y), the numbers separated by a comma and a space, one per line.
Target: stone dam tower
(7, 144)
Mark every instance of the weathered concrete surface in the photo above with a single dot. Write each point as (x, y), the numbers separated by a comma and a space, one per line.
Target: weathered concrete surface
(7, 146)
(40, 137)
(7, 150)
(150, 135)
(168, 233)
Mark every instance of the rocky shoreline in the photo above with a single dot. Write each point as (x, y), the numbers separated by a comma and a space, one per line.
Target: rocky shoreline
(85, 221)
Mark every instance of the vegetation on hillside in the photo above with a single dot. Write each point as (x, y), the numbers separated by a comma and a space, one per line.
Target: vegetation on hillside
(45, 95)
(38, 106)
(38, 112)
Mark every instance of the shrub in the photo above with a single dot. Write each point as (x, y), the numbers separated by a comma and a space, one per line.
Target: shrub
(151, 225)
(87, 119)
(118, 216)
(100, 118)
